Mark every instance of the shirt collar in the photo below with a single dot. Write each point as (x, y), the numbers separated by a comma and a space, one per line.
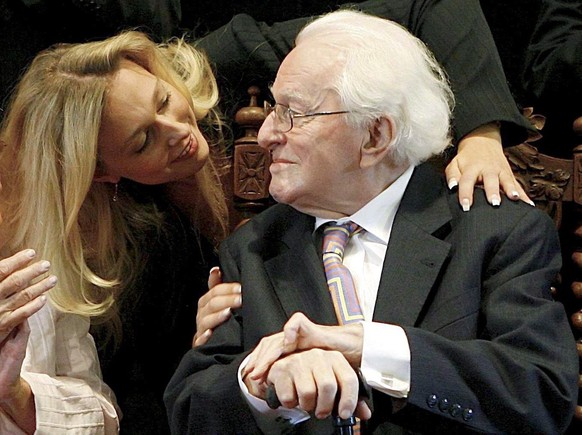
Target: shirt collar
(377, 216)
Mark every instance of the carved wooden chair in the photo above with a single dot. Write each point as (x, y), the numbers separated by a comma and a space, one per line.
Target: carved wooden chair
(250, 176)
(554, 184)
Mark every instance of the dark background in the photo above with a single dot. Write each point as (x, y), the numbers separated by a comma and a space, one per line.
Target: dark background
(511, 22)
(27, 26)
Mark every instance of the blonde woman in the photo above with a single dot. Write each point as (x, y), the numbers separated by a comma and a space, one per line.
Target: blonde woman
(110, 177)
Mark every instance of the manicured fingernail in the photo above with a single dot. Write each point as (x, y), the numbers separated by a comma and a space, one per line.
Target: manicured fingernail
(44, 266)
(495, 200)
(52, 280)
(465, 204)
(453, 183)
(238, 301)
(515, 194)
(215, 269)
(238, 289)
(225, 313)
(30, 253)
(530, 202)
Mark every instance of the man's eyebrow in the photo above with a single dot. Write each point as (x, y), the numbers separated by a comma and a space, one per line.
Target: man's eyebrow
(293, 96)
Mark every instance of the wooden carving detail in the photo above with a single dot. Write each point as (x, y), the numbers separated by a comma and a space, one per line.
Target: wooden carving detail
(251, 162)
(547, 180)
(251, 172)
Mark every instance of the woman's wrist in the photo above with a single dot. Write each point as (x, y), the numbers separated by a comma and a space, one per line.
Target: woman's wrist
(19, 405)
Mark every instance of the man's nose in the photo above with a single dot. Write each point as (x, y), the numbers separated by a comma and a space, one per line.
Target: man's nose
(268, 135)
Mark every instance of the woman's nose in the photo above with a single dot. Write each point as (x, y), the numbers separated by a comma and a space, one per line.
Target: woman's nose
(175, 131)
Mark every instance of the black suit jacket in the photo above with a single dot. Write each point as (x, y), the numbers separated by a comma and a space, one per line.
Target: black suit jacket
(553, 73)
(471, 290)
(246, 52)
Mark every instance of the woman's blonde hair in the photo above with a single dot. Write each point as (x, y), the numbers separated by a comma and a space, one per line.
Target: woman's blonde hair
(49, 136)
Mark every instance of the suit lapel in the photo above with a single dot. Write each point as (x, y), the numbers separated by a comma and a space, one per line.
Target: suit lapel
(296, 272)
(415, 254)
(414, 258)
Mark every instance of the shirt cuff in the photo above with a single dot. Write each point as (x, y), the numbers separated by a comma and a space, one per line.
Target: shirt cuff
(69, 404)
(386, 359)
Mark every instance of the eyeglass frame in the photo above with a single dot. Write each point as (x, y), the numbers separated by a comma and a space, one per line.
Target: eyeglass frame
(292, 114)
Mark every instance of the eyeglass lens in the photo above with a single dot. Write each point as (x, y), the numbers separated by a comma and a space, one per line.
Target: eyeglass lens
(282, 116)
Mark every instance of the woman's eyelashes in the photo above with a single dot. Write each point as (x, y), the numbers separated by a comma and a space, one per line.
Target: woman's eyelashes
(164, 103)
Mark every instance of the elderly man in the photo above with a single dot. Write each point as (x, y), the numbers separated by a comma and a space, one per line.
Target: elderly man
(447, 315)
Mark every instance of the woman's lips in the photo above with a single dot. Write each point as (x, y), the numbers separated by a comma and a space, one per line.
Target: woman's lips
(188, 150)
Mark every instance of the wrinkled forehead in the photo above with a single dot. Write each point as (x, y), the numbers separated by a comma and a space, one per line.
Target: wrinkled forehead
(308, 73)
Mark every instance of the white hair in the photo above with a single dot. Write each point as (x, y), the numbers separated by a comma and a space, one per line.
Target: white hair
(387, 71)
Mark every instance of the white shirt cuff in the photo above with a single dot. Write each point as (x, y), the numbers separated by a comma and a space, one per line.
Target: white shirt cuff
(386, 359)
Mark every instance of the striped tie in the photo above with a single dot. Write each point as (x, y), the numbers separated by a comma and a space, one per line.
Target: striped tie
(339, 279)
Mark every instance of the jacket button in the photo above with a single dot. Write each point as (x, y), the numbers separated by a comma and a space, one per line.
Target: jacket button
(432, 400)
(467, 414)
(444, 405)
(456, 410)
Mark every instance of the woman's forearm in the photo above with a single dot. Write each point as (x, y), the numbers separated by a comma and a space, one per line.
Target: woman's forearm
(21, 408)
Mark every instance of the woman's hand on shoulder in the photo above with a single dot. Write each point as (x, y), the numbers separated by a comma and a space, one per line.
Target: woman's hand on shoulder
(214, 307)
(480, 160)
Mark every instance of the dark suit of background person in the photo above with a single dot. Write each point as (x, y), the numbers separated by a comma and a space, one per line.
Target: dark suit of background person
(469, 289)
(553, 74)
(247, 52)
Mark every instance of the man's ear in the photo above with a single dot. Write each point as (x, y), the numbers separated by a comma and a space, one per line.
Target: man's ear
(102, 176)
(381, 136)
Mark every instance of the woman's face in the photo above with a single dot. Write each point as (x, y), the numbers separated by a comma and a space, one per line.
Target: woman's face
(149, 132)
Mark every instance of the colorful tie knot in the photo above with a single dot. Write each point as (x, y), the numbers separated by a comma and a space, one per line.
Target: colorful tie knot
(335, 237)
(339, 279)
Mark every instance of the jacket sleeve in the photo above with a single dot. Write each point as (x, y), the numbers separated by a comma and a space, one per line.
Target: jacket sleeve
(552, 73)
(493, 382)
(203, 395)
(461, 40)
(553, 66)
(62, 368)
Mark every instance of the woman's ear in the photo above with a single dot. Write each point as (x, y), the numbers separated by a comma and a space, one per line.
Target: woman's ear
(101, 176)
(381, 135)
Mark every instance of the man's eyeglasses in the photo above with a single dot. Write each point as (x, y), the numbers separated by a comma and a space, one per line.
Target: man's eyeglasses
(284, 115)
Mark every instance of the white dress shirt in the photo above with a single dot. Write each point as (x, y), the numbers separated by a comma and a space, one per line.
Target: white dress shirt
(62, 368)
(386, 352)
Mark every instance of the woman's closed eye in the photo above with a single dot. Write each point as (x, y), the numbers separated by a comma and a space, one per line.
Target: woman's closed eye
(163, 104)
(165, 101)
